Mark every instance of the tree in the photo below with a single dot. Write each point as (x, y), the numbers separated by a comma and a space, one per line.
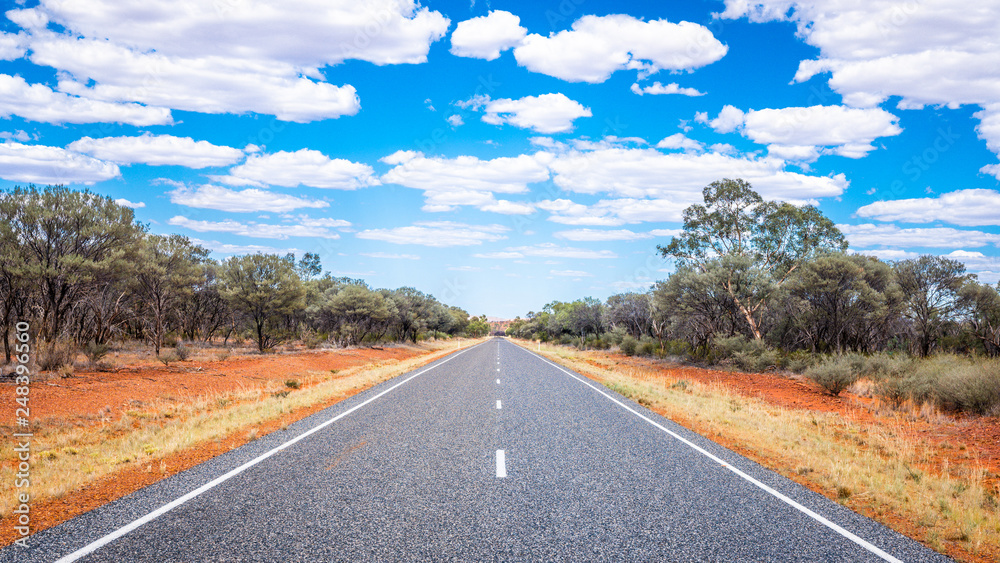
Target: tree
(265, 287)
(695, 304)
(354, 312)
(983, 305)
(631, 311)
(763, 242)
(931, 284)
(71, 242)
(844, 301)
(478, 326)
(168, 270)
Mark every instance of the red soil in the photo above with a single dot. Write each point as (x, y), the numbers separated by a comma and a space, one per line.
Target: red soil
(87, 397)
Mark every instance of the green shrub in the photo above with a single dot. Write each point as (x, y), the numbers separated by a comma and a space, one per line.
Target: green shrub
(95, 352)
(677, 348)
(882, 365)
(293, 383)
(798, 361)
(834, 374)
(628, 345)
(743, 354)
(166, 358)
(648, 347)
(615, 335)
(183, 351)
(756, 361)
(970, 387)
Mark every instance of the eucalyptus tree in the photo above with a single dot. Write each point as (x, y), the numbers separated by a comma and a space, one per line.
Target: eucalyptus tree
(71, 242)
(168, 270)
(932, 285)
(842, 301)
(264, 287)
(982, 303)
(632, 311)
(760, 242)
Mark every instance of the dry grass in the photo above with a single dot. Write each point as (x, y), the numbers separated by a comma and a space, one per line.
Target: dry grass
(67, 455)
(872, 469)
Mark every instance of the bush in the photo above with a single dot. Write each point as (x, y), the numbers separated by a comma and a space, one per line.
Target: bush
(183, 351)
(628, 345)
(798, 361)
(834, 374)
(53, 356)
(95, 352)
(166, 358)
(615, 335)
(648, 347)
(756, 361)
(956, 383)
(293, 383)
(746, 355)
(677, 348)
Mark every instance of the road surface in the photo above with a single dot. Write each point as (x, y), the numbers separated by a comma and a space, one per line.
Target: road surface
(490, 454)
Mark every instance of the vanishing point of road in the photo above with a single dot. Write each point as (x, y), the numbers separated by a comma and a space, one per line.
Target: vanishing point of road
(492, 453)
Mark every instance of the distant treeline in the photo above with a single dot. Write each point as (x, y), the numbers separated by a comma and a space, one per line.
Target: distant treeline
(780, 276)
(84, 273)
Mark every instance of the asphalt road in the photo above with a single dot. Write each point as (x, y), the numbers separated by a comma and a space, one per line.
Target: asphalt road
(490, 454)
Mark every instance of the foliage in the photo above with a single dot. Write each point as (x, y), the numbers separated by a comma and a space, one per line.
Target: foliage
(760, 242)
(932, 285)
(266, 288)
(834, 375)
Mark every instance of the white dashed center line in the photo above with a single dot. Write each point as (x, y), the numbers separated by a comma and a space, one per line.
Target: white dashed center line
(501, 464)
(498, 403)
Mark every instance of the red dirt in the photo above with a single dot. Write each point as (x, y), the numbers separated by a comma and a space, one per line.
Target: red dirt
(88, 396)
(957, 442)
(91, 394)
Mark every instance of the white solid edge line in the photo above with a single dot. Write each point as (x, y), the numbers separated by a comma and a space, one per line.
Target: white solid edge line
(822, 520)
(501, 464)
(101, 542)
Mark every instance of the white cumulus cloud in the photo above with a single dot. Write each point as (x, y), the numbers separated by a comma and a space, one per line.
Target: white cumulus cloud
(253, 229)
(803, 133)
(597, 46)
(240, 201)
(248, 56)
(968, 208)
(303, 167)
(868, 235)
(42, 164)
(487, 36)
(658, 89)
(438, 234)
(158, 150)
(38, 102)
(448, 183)
(547, 113)
(931, 52)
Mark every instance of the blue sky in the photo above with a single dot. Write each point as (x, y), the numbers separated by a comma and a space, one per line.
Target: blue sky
(501, 155)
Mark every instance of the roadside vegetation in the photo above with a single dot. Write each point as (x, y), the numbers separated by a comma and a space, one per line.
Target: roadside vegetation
(89, 278)
(761, 286)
